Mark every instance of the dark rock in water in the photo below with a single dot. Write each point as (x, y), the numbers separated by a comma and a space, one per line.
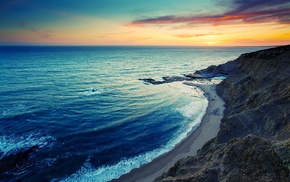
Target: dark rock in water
(169, 79)
(16, 160)
(198, 74)
(210, 72)
(253, 143)
(166, 79)
(151, 80)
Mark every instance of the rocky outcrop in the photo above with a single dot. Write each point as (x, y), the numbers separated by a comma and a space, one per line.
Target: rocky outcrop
(253, 143)
(257, 94)
(165, 79)
(247, 159)
(214, 71)
(210, 72)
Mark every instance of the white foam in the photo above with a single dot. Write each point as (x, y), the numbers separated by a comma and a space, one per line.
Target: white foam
(108, 173)
(14, 110)
(13, 143)
(90, 92)
(195, 111)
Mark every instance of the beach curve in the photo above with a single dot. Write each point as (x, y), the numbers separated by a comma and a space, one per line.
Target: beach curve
(207, 130)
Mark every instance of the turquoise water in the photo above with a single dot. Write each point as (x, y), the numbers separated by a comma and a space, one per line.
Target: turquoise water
(47, 101)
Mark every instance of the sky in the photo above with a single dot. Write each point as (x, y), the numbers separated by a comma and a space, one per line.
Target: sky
(148, 22)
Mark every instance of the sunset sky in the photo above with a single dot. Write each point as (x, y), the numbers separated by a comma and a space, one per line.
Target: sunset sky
(148, 22)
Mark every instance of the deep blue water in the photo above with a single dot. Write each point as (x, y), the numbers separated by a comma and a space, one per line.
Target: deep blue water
(47, 101)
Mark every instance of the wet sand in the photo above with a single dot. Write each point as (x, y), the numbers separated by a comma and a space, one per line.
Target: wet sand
(207, 130)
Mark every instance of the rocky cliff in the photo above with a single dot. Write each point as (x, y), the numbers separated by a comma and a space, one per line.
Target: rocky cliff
(253, 143)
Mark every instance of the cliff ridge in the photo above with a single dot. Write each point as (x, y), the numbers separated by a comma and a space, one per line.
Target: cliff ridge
(253, 143)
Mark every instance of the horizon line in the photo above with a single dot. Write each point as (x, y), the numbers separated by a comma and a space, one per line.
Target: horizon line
(100, 45)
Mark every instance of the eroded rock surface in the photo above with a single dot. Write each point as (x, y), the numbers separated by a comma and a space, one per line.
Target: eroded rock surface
(253, 143)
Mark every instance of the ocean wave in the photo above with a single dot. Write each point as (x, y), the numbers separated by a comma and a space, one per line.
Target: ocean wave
(10, 144)
(110, 172)
(193, 109)
(15, 109)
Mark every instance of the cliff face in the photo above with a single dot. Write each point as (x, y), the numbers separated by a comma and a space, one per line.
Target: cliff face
(257, 94)
(253, 143)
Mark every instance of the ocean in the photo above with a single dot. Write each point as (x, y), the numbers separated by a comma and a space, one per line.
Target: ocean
(77, 113)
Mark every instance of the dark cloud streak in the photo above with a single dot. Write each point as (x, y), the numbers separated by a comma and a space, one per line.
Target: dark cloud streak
(244, 5)
(33, 30)
(246, 11)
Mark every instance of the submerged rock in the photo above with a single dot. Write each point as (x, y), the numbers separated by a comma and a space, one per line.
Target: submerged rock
(253, 143)
(16, 160)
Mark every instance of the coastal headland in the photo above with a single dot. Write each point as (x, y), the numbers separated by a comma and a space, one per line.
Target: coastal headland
(253, 143)
(249, 140)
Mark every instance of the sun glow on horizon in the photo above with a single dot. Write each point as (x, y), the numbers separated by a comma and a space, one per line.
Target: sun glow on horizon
(79, 23)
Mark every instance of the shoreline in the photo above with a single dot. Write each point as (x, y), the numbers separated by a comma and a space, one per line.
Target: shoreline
(207, 130)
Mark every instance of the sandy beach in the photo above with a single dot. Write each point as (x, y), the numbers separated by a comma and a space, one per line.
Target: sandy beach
(207, 130)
